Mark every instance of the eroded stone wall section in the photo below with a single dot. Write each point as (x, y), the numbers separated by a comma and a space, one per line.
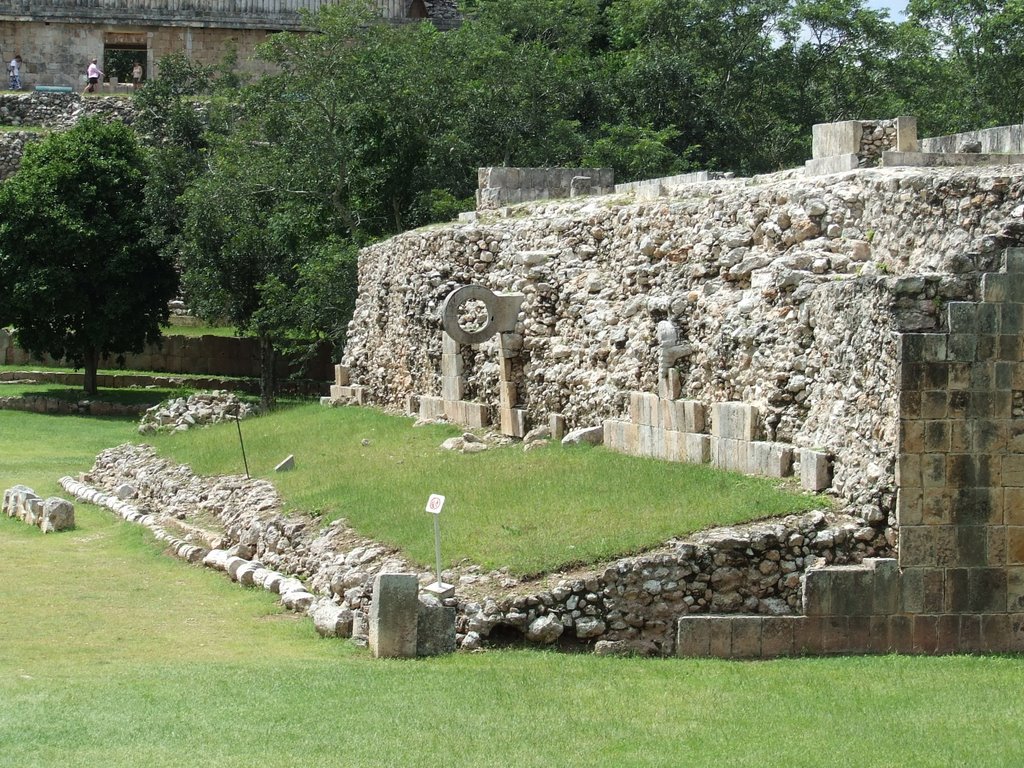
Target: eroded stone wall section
(780, 293)
(958, 585)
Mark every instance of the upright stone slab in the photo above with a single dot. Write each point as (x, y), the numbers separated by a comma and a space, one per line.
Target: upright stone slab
(435, 633)
(394, 614)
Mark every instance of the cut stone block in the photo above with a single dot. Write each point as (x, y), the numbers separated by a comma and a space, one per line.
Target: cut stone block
(431, 407)
(770, 459)
(341, 375)
(394, 615)
(513, 422)
(815, 474)
(734, 421)
(476, 415)
(556, 423)
(435, 627)
(452, 387)
(698, 448)
(669, 385)
(287, 464)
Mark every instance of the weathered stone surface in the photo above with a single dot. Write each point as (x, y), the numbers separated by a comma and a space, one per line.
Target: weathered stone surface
(435, 627)
(587, 435)
(545, 629)
(58, 514)
(394, 615)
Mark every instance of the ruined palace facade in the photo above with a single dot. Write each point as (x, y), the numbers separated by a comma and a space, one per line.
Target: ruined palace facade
(57, 38)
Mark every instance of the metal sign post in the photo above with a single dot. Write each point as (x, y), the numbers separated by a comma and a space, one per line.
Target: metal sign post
(439, 589)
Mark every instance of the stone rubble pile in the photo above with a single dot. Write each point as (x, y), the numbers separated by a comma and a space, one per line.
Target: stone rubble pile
(196, 410)
(50, 515)
(878, 136)
(629, 605)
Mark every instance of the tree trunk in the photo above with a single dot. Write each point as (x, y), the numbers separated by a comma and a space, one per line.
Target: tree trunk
(268, 374)
(92, 364)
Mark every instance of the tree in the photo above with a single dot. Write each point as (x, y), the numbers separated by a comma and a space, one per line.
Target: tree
(80, 282)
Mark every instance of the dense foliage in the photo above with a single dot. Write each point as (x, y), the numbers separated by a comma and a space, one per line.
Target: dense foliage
(367, 129)
(79, 280)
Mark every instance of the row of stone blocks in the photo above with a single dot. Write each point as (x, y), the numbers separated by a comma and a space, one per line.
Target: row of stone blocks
(766, 637)
(50, 515)
(674, 430)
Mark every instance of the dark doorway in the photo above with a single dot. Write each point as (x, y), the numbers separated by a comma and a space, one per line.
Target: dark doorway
(118, 62)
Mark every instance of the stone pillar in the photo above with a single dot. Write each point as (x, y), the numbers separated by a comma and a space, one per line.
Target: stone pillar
(394, 614)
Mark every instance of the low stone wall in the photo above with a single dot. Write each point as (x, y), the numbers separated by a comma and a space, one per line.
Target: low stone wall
(210, 355)
(12, 147)
(1003, 139)
(500, 186)
(50, 515)
(57, 111)
(628, 605)
(852, 144)
(56, 405)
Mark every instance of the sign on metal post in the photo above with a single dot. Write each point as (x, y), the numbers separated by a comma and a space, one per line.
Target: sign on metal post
(434, 506)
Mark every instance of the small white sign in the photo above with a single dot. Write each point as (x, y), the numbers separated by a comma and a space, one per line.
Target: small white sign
(435, 503)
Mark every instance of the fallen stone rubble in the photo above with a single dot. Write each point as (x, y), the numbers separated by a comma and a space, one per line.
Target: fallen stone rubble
(627, 606)
(199, 409)
(50, 515)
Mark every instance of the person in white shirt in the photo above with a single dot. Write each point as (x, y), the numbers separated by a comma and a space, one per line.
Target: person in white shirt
(14, 71)
(93, 74)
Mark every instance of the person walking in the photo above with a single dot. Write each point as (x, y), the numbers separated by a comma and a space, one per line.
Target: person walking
(136, 76)
(93, 75)
(14, 72)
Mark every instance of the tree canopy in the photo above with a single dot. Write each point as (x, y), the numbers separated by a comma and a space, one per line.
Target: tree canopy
(80, 281)
(365, 129)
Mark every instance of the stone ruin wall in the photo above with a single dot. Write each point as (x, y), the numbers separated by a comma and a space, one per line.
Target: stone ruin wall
(57, 111)
(783, 292)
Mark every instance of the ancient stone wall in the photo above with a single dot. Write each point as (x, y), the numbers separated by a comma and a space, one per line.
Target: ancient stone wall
(629, 605)
(507, 186)
(780, 292)
(213, 355)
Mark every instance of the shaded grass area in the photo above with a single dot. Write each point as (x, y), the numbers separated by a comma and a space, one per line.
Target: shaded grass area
(34, 366)
(38, 449)
(124, 396)
(113, 654)
(532, 512)
(193, 331)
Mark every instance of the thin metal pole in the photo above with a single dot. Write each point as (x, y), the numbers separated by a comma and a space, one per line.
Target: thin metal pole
(437, 546)
(238, 423)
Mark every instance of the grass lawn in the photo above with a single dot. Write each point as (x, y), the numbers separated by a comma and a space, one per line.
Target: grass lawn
(199, 330)
(112, 654)
(531, 512)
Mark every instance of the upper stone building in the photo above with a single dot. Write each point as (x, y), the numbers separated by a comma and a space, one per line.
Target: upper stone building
(57, 38)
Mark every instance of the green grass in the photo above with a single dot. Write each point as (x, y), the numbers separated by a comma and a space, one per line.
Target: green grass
(193, 331)
(34, 366)
(38, 449)
(113, 654)
(531, 512)
(147, 396)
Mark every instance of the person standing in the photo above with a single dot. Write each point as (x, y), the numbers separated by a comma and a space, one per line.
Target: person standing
(93, 75)
(14, 71)
(136, 76)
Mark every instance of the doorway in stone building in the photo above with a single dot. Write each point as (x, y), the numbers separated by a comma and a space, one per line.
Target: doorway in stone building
(120, 52)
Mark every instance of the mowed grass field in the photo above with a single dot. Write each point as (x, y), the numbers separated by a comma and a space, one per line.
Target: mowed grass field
(114, 654)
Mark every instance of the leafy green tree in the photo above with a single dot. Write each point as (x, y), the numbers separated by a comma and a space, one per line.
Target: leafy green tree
(980, 56)
(80, 281)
